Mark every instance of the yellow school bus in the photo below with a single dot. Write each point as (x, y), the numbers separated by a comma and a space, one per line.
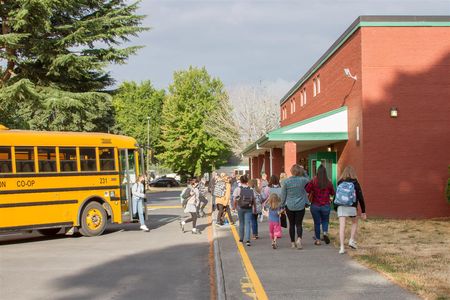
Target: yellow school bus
(55, 180)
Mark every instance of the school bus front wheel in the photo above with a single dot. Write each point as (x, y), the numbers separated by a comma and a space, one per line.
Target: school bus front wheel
(93, 219)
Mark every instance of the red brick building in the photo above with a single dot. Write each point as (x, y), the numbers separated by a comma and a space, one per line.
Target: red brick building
(379, 100)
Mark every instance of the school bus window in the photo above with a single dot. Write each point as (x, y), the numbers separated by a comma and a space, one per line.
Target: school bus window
(5, 160)
(47, 159)
(106, 159)
(24, 159)
(88, 161)
(68, 159)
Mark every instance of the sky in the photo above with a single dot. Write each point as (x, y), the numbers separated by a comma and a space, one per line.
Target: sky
(249, 42)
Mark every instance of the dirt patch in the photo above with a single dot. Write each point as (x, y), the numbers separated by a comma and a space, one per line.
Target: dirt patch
(413, 253)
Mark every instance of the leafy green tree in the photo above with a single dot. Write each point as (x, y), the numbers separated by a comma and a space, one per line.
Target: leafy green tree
(188, 147)
(53, 56)
(133, 103)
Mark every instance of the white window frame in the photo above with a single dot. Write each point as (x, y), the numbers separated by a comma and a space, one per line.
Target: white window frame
(318, 84)
(314, 87)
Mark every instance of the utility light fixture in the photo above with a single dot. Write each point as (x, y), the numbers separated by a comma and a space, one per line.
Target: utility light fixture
(394, 112)
(349, 74)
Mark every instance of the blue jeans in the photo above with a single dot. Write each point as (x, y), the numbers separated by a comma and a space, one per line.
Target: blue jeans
(138, 207)
(321, 215)
(254, 224)
(245, 217)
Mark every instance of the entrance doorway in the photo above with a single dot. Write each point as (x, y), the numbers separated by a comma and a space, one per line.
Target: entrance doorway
(328, 159)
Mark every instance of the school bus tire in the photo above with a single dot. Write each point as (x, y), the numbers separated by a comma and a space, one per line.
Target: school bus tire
(49, 231)
(93, 219)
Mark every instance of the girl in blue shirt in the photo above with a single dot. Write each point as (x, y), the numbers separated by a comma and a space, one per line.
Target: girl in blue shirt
(274, 203)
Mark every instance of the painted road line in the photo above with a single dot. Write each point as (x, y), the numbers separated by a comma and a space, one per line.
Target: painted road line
(211, 261)
(153, 207)
(259, 289)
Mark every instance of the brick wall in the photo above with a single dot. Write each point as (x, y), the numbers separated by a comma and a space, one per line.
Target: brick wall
(406, 159)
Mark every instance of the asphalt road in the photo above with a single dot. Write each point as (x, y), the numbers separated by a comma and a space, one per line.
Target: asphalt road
(123, 263)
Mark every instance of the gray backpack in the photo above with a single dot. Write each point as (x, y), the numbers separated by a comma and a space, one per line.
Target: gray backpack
(246, 198)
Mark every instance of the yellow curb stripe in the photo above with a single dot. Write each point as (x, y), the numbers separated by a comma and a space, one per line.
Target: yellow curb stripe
(211, 262)
(259, 289)
(163, 206)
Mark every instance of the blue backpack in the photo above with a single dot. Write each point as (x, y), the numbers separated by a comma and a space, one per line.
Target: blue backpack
(345, 194)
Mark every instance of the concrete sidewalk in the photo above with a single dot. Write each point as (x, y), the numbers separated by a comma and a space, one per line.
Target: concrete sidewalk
(316, 272)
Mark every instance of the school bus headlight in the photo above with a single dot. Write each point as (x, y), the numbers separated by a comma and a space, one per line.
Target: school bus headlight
(112, 194)
(106, 194)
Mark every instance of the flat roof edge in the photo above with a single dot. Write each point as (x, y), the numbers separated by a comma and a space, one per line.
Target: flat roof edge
(369, 21)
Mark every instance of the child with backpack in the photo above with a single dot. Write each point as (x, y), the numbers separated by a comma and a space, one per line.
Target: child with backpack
(274, 203)
(253, 184)
(348, 195)
(244, 201)
(190, 198)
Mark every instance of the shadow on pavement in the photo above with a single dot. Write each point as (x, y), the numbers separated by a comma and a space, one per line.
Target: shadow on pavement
(155, 221)
(177, 272)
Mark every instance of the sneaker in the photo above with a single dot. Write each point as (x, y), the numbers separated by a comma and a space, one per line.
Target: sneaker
(241, 241)
(248, 244)
(352, 244)
(254, 237)
(317, 243)
(194, 231)
(341, 251)
(299, 244)
(326, 238)
(144, 228)
(293, 245)
(182, 226)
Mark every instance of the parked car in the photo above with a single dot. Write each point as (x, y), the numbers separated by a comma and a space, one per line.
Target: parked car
(164, 182)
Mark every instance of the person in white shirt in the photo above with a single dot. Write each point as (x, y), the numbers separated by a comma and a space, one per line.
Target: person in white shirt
(138, 193)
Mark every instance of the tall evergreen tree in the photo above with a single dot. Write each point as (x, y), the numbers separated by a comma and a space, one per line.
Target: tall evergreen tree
(53, 54)
(188, 147)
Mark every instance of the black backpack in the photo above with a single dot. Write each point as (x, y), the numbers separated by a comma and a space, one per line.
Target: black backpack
(246, 198)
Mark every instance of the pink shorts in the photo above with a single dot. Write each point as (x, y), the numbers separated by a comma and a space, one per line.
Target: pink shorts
(275, 229)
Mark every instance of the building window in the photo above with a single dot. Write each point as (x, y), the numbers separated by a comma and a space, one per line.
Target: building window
(293, 105)
(314, 87)
(303, 97)
(318, 84)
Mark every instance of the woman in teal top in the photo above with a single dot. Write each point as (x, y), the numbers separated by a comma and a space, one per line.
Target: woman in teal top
(294, 198)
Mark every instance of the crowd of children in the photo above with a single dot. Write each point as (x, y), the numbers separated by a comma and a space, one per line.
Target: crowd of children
(283, 201)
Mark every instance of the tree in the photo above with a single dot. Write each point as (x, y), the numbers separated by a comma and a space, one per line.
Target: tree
(254, 112)
(188, 147)
(133, 103)
(52, 51)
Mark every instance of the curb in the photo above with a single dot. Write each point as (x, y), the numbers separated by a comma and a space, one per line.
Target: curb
(220, 280)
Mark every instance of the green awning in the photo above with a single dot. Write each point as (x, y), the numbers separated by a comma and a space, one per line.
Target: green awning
(314, 132)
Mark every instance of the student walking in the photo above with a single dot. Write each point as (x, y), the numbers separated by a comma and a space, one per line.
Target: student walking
(253, 184)
(348, 195)
(223, 203)
(294, 198)
(320, 190)
(191, 205)
(275, 231)
(138, 194)
(244, 201)
(203, 201)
